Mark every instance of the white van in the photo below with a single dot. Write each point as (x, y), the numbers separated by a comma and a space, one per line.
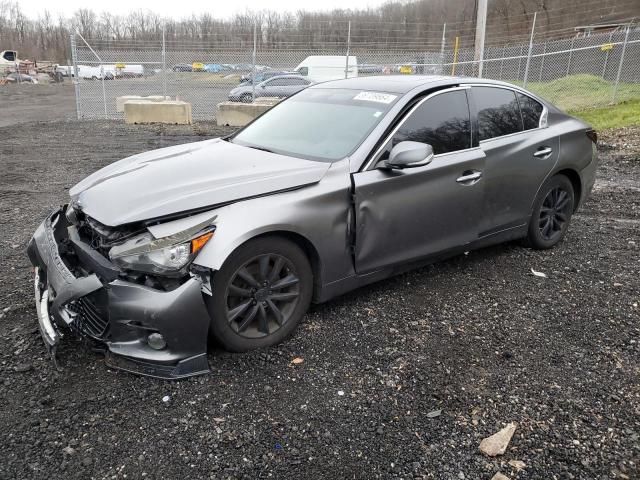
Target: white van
(320, 68)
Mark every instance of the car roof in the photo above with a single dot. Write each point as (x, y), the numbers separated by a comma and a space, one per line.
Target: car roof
(401, 83)
(275, 77)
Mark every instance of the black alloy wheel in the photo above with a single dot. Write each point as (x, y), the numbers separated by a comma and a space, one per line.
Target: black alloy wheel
(262, 295)
(551, 214)
(554, 213)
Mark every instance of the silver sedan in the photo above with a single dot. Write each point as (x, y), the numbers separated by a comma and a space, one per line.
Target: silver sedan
(343, 184)
(282, 86)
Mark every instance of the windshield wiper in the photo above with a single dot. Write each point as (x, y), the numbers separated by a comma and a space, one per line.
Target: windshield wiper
(259, 148)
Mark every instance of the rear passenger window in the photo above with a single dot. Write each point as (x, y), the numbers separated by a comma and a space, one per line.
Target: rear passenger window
(442, 121)
(498, 112)
(531, 111)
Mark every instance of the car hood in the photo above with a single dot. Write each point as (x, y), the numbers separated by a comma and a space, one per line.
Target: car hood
(188, 177)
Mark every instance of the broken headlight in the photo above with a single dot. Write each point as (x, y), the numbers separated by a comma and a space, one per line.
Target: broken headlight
(163, 256)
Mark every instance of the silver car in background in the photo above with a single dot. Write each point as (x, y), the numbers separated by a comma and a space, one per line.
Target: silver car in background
(281, 86)
(343, 184)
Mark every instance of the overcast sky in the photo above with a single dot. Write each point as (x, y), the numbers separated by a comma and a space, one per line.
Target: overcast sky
(218, 8)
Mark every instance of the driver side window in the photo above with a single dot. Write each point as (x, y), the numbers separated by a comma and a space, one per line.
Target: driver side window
(442, 121)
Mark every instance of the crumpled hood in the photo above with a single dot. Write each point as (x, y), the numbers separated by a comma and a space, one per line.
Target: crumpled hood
(187, 177)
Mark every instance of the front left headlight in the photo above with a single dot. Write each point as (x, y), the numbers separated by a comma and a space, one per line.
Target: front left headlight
(158, 256)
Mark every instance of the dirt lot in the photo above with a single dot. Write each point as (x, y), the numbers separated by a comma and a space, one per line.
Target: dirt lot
(402, 379)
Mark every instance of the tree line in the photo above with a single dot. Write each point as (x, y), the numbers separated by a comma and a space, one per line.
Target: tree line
(397, 24)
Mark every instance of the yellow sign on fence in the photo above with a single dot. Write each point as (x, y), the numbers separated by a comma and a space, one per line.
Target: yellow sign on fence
(606, 46)
(406, 69)
(120, 66)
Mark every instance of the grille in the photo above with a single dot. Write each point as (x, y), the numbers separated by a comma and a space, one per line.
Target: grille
(89, 319)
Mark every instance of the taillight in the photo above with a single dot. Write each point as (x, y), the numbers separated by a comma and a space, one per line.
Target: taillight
(593, 135)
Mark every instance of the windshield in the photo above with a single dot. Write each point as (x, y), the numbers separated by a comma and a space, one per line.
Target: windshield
(318, 124)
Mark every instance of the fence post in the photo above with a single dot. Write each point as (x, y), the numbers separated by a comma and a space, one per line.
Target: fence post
(104, 91)
(444, 31)
(606, 57)
(504, 54)
(253, 62)
(544, 53)
(456, 46)
(573, 41)
(76, 75)
(346, 65)
(624, 48)
(164, 63)
(520, 61)
(526, 68)
(104, 94)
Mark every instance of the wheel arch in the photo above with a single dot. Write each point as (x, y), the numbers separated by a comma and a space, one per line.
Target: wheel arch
(576, 183)
(296, 238)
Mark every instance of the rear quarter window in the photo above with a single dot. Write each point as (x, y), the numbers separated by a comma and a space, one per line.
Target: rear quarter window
(531, 111)
(498, 112)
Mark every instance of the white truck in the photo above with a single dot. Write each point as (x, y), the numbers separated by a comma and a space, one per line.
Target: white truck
(321, 68)
(8, 61)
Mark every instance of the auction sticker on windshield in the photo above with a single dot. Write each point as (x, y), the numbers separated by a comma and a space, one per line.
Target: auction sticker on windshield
(375, 97)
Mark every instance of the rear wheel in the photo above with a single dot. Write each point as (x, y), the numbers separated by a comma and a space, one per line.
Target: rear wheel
(260, 294)
(552, 212)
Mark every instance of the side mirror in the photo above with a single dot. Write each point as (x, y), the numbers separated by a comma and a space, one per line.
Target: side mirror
(409, 155)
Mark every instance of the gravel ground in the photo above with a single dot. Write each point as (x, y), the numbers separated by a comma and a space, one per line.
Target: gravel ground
(402, 379)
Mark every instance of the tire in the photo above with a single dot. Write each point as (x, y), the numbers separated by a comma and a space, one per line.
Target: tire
(551, 214)
(246, 98)
(255, 311)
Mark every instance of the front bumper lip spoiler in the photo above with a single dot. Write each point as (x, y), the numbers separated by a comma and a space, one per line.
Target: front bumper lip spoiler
(132, 310)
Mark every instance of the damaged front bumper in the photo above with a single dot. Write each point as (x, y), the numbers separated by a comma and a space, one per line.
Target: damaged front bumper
(96, 303)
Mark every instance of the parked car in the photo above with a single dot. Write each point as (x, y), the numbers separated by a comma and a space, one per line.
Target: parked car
(197, 67)
(261, 76)
(182, 67)
(341, 185)
(281, 87)
(217, 68)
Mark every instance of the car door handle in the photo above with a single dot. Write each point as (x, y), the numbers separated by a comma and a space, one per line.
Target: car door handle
(543, 152)
(469, 177)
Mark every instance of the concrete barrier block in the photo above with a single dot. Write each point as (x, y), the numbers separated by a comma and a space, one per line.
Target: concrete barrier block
(168, 111)
(120, 101)
(267, 100)
(237, 114)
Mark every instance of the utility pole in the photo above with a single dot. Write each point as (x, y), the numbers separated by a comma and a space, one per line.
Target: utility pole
(481, 27)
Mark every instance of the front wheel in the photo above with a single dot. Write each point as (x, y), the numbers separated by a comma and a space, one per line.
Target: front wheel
(246, 98)
(260, 294)
(552, 212)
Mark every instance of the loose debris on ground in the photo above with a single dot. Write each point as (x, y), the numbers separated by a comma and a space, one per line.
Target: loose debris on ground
(478, 339)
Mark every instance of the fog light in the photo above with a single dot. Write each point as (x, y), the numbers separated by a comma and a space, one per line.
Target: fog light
(156, 341)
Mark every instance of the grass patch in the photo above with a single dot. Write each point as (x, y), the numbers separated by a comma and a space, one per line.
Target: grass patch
(580, 92)
(613, 116)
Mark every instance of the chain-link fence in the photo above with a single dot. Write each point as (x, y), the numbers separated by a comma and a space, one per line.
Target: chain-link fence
(574, 73)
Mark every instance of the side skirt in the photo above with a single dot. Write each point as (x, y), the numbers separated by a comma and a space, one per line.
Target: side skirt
(347, 284)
